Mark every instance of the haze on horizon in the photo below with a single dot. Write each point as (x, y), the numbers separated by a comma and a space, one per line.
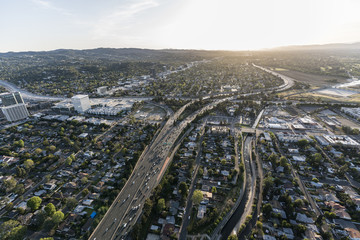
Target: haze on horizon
(36, 25)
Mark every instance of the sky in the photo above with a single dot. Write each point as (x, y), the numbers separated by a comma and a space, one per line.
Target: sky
(37, 25)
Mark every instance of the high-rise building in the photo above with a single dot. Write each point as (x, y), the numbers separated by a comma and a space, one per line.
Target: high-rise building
(14, 107)
(15, 112)
(153, 73)
(9, 99)
(81, 103)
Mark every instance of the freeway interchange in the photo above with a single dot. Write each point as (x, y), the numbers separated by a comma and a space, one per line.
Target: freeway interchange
(152, 164)
(127, 206)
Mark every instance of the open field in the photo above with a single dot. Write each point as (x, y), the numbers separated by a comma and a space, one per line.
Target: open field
(314, 96)
(337, 92)
(312, 79)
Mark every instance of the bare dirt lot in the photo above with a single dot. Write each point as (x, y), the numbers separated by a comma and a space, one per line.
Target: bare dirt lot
(347, 122)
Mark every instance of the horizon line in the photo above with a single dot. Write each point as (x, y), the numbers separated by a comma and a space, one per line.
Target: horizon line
(192, 49)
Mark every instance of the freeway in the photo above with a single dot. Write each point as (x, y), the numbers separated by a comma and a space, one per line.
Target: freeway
(288, 81)
(126, 208)
(28, 95)
(245, 207)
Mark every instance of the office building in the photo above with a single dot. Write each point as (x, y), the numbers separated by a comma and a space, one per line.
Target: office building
(81, 103)
(102, 90)
(13, 98)
(15, 112)
(14, 108)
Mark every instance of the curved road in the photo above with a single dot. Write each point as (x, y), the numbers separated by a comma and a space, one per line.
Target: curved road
(28, 95)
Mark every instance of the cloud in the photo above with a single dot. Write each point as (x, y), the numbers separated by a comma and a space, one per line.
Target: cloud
(122, 19)
(50, 6)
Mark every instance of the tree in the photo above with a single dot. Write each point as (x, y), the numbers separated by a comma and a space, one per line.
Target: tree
(10, 184)
(19, 189)
(315, 180)
(268, 183)
(303, 143)
(47, 238)
(213, 190)
(52, 148)
(28, 164)
(299, 203)
(84, 180)
(283, 161)
(233, 237)
(12, 230)
(68, 161)
(71, 202)
(85, 192)
(160, 205)
(19, 143)
(34, 203)
(197, 197)
(38, 151)
(57, 217)
(46, 142)
(272, 158)
(20, 172)
(50, 209)
(183, 188)
(267, 209)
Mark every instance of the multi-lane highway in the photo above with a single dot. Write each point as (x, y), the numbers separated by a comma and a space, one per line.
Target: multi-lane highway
(147, 173)
(288, 81)
(127, 206)
(125, 210)
(28, 95)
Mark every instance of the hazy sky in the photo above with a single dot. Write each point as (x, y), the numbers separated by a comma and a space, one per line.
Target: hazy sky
(192, 24)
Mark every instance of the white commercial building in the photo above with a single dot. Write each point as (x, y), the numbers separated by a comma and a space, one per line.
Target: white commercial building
(81, 103)
(341, 139)
(102, 90)
(15, 112)
(354, 112)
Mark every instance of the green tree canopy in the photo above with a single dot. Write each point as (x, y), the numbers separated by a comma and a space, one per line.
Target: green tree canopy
(197, 197)
(183, 188)
(38, 151)
(68, 161)
(57, 217)
(160, 205)
(267, 209)
(12, 230)
(233, 237)
(50, 209)
(28, 163)
(303, 143)
(52, 148)
(34, 203)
